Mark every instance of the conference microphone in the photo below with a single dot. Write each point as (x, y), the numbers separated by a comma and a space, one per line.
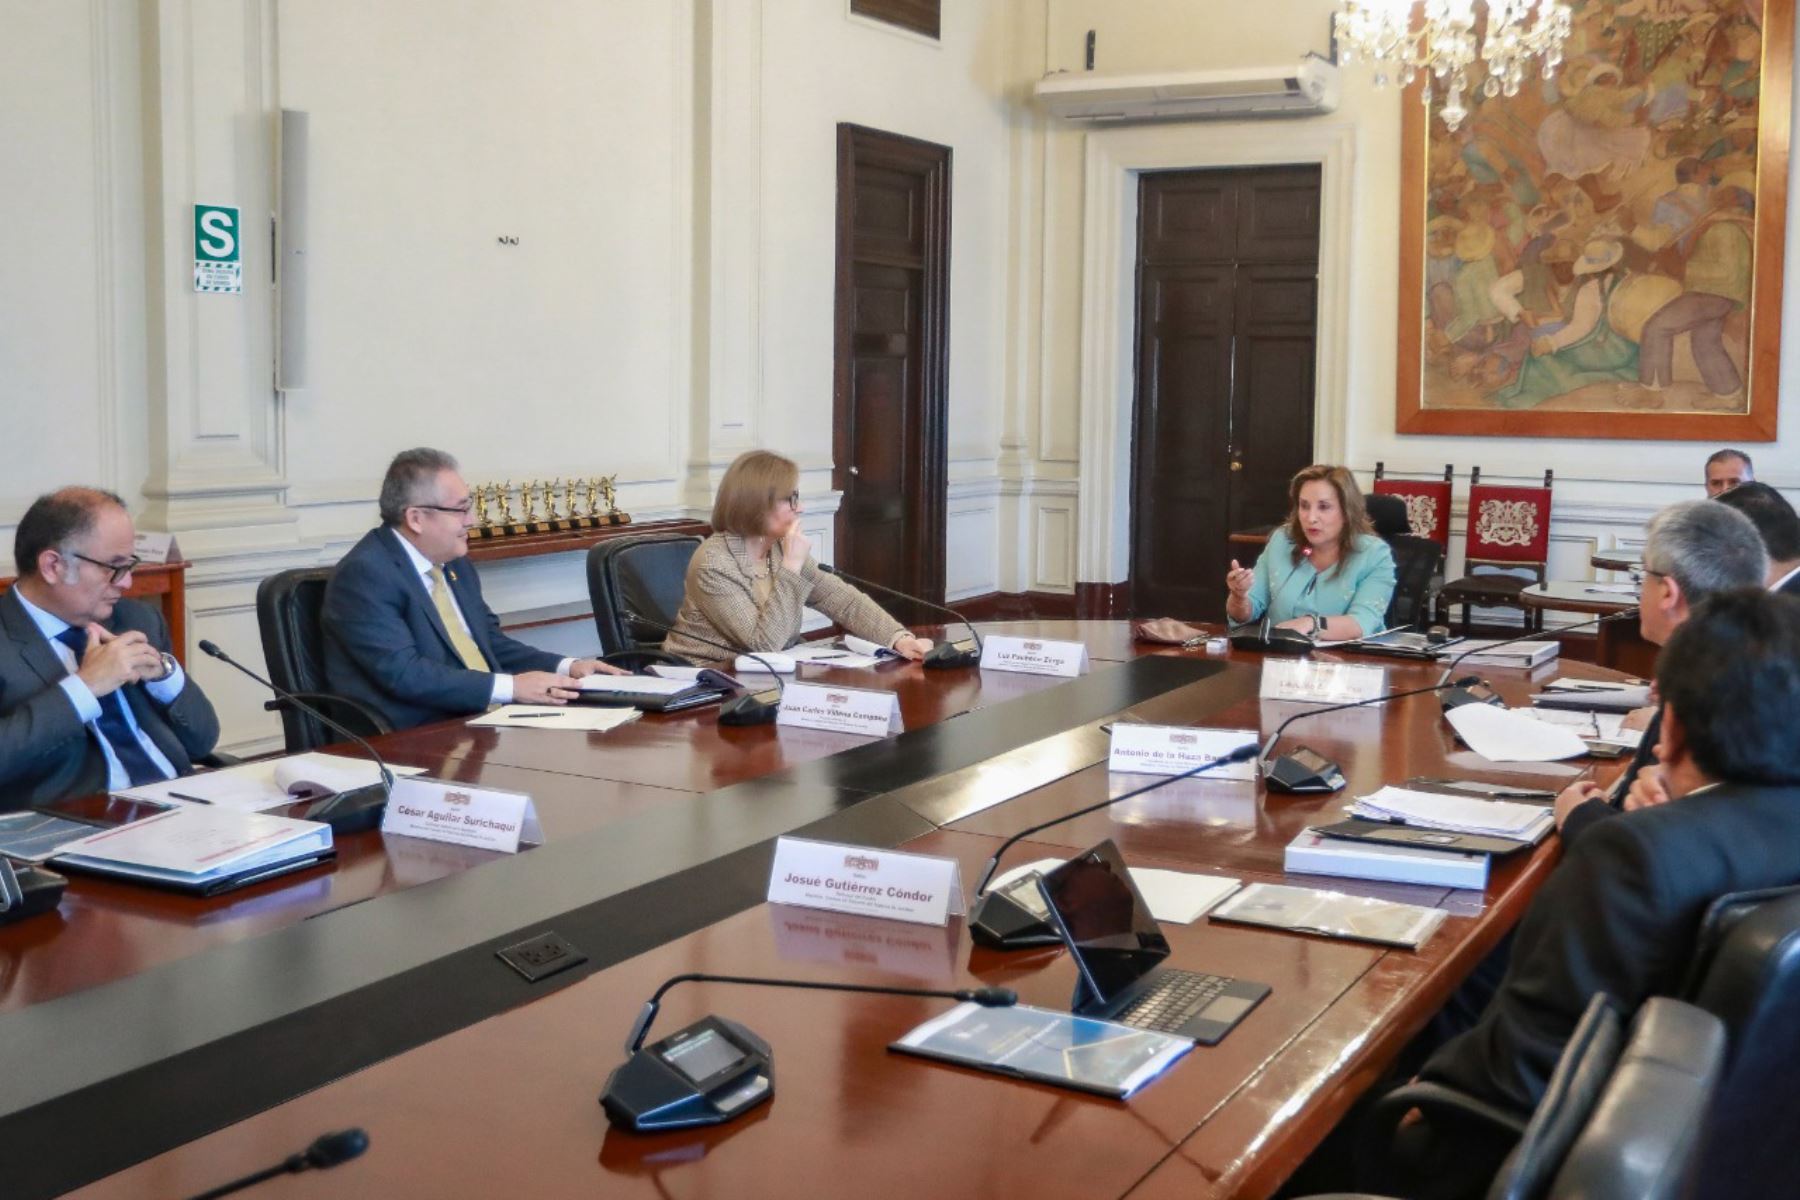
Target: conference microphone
(353, 810)
(715, 1069)
(327, 1151)
(1014, 917)
(1462, 695)
(1263, 635)
(746, 707)
(1308, 771)
(946, 653)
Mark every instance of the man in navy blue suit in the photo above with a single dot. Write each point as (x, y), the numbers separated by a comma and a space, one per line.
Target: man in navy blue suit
(406, 630)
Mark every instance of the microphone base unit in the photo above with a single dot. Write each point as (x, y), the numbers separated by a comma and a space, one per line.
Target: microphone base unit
(750, 708)
(1269, 639)
(1479, 694)
(1303, 772)
(947, 655)
(1013, 917)
(711, 1072)
(354, 810)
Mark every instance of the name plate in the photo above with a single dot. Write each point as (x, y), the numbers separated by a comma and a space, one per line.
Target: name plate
(840, 709)
(468, 816)
(869, 883)
(1321, 683)
(1031, 656)
(1174, 749)
(155, 547)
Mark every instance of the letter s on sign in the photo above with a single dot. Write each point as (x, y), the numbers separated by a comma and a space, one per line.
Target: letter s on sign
(216, 236)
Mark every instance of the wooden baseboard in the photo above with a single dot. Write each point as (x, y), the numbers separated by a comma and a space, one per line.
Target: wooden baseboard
(1089, 602)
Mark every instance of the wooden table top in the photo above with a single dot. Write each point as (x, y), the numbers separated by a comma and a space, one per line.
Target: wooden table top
(1573, 595)
(474, 1084)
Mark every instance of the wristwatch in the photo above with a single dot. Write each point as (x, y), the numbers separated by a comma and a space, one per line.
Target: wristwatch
(1318, 624)
(168, 667)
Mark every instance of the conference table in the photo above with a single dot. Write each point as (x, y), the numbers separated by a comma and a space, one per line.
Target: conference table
(158, 1045)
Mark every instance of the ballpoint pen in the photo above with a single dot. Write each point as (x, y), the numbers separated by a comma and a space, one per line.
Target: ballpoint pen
(190, 799)
(534, 716)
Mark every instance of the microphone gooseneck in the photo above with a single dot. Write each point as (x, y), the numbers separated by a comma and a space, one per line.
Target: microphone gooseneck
(950, 656)
(211, 649)
(1269, 746)
(327, 1151)
(987, 997)
(1242, 753)
(746, 708)
(1537, 633)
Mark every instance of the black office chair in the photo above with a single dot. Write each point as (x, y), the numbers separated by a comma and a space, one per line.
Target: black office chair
(1619, 1120)
(1417, 563)
(1388, 515)
(644, 574)
(287, 615)
(1747, 973)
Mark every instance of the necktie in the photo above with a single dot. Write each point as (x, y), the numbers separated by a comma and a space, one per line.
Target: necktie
(117, 731)
(464, 645)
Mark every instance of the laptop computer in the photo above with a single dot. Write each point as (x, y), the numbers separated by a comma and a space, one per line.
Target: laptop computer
(1118, 949)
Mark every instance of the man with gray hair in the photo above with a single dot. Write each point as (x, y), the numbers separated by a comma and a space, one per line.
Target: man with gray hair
(407, 632)
(91, 697)
(1692, 551)
(1726, 469)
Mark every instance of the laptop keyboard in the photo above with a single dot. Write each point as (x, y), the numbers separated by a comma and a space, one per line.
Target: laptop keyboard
(1174, 1000)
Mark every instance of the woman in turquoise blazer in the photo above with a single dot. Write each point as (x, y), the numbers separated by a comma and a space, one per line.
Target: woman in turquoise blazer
(1324, 572)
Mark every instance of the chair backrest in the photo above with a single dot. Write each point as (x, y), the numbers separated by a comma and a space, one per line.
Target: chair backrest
(1574, 1088)
(1417, 561)
(288, 604)
(1388, 515)
(1427, 503)
(1508, 525)
(1621, 1123)
(1749, 977)
(644, 574)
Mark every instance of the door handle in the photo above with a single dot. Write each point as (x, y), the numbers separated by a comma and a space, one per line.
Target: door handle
(1236, 465)
(855, 471)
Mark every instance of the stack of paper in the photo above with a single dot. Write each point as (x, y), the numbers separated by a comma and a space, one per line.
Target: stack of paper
(269, 783)
(1178, 897)
(204, 850)
(1506, 735)
(1590, 726)
(587, 718)
(1594, 696)
(827, 655)
(1458, 814)
(1315, 854)
(1491, 653)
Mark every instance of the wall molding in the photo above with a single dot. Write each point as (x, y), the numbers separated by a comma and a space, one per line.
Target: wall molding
(1114, 160)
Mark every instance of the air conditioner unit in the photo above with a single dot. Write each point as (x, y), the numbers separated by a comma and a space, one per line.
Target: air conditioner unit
(1311, 87)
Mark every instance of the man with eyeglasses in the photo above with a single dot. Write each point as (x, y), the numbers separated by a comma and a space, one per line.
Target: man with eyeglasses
(91, 699)
(407, 632)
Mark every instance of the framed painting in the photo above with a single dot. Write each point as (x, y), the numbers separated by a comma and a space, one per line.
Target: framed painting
(1600, 256)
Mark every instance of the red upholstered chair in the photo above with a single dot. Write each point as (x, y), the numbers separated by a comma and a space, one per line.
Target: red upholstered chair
(1427, 502)
(1509, 529)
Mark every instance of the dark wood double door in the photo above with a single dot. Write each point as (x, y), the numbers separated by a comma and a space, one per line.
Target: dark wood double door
(1226, 330)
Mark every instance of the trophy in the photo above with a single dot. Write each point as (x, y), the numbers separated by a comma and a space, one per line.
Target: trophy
(483, 526)
(528, 496)
(610, 498)
(504, 523)
(560, 521)
(571, 502)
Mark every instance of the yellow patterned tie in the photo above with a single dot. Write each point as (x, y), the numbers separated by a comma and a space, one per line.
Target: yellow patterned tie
(465, 646)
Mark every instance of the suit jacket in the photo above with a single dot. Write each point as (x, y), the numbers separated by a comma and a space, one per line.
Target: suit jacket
(1791, 587)
(46, 753)
(1618, 915)
(386, 646)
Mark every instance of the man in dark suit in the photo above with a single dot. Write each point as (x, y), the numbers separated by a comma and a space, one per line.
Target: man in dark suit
(1692, 551)
(406, 630)
(1619, 914)
(1779, 527)
(91, 699)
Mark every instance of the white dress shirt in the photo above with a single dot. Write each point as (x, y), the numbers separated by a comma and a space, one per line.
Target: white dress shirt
(87, 705)
(503, 684)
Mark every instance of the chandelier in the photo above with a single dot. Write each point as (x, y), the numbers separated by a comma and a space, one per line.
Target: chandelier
(1442, 41)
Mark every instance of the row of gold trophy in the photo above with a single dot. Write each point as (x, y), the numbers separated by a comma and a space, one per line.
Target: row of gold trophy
(586, 504)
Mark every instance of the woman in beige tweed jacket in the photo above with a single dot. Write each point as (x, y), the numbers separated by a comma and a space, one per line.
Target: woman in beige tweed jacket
(750, 582)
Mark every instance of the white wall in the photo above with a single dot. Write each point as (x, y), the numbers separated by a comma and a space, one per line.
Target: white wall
(667, 167)
(1604, 491)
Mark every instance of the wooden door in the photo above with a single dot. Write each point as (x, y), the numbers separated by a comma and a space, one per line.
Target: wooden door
(1227, 304)
(888, 416)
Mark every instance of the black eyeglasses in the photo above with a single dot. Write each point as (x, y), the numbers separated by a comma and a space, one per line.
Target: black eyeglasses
(119, 570)
(461, 510)
(793, 499)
